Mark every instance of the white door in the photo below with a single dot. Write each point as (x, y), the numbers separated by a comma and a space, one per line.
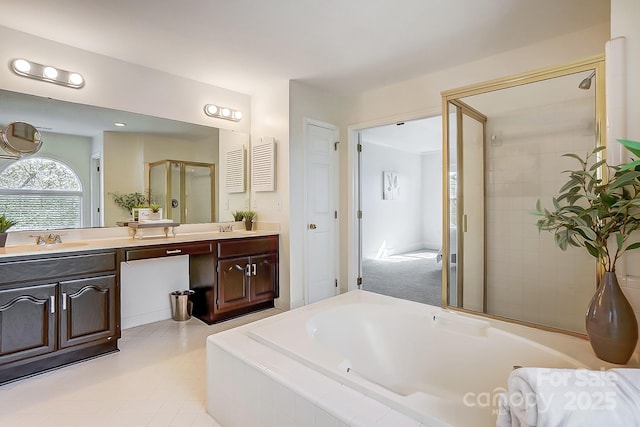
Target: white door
(321, 211)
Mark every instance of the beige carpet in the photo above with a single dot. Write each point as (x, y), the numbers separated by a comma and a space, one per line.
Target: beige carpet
(414, 276)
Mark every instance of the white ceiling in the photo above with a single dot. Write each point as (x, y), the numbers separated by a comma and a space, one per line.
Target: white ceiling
(342, 45)
(414, 136)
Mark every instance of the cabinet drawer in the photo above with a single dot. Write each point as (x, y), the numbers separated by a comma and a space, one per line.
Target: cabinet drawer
(247, 246)
(168, 250)
(49, 268)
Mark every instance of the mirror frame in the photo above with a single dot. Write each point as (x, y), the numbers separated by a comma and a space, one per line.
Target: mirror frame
(595, 63)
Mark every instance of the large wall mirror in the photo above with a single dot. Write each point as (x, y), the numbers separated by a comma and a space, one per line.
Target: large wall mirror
(504, 142)
(86, 157)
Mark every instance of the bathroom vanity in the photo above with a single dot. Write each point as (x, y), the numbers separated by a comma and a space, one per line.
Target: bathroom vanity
(60, 305)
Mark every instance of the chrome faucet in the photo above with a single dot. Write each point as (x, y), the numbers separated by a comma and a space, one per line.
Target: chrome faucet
(51, 239)
(226, 227)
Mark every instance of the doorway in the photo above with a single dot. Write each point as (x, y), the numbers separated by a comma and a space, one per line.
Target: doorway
(400, 198)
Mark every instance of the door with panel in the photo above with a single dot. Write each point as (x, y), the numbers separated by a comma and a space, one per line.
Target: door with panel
(233, 283)
(27, 322)
(87, 310)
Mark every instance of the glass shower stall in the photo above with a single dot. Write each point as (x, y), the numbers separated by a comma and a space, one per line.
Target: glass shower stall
(184, 190)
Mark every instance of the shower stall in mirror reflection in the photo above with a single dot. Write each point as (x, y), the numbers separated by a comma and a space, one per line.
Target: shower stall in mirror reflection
(186, 191)
(505, 144)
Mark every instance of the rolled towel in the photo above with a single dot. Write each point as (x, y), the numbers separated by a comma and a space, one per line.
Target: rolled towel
(546, 397)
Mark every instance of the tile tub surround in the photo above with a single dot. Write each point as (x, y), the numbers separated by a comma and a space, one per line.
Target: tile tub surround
(259, 374)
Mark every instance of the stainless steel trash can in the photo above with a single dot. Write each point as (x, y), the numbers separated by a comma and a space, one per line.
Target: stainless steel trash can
(180, 305)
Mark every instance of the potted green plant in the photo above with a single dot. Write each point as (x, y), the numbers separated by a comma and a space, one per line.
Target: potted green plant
(130, 201)
(238, 215)
(249, 216)
(600, 215)
(5, 224)
(156, 211)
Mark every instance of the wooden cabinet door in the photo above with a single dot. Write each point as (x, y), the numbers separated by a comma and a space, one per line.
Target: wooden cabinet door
(27, 322)
(233, 283)
(88, 310)
(264, 273)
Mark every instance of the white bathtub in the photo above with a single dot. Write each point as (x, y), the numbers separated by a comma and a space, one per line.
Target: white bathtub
(431, 366)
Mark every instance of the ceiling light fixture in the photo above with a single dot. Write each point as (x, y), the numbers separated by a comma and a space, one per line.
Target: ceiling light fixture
(47, 73)
(222, 112)
(120, 124)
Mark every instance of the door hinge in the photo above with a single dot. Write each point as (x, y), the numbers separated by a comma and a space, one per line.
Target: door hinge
(336, 283)
(335, 214)
(359, 214)
(335, 145)
(359, 148)
(359, 281)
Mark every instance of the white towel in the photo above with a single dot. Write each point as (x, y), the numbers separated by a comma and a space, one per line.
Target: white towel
(545, 397)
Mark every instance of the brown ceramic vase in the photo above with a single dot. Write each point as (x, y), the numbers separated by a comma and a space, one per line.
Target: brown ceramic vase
(611, 325)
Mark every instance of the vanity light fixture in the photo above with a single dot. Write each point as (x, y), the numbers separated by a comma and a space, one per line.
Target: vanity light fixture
(222, 112)
(47, 73)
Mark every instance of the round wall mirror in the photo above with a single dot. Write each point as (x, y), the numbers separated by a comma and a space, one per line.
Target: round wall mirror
(20, 139)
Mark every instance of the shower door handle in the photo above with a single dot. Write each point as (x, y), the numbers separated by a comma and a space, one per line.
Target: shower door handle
(312, 226)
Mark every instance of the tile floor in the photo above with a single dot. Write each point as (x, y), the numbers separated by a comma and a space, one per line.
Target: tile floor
(157, 379)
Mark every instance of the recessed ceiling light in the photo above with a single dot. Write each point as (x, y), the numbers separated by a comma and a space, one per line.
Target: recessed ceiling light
(120, 124)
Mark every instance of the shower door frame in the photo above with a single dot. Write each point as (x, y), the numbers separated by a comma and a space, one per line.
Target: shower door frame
(182, 175)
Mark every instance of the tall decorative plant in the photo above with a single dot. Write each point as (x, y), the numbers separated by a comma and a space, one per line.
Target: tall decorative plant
(600, 215)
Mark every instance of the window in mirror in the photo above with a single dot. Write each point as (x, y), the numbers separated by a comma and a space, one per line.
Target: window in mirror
(41, 194)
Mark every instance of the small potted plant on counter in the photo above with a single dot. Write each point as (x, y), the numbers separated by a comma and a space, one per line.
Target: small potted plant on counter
(238, 215)
(5, 224)
(249, 217)
(156, 211)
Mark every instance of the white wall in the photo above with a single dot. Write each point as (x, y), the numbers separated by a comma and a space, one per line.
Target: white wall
(395, 226)
(432, 200)
(270, 113)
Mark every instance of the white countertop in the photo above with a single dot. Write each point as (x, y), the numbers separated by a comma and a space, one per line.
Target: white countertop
(75, 240)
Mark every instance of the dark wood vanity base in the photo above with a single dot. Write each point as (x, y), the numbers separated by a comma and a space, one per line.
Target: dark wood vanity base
(240, 276)
(211, 319)
(59, 308)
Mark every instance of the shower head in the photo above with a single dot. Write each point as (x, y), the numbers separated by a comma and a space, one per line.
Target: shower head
(586, 83)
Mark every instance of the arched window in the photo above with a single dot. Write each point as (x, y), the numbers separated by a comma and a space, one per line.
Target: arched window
(41, 194)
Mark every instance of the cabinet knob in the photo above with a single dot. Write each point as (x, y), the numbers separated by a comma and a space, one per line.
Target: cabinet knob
(312, 227)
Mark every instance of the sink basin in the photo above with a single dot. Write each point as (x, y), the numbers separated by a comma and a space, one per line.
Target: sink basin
(63, 245)
(33, 247)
